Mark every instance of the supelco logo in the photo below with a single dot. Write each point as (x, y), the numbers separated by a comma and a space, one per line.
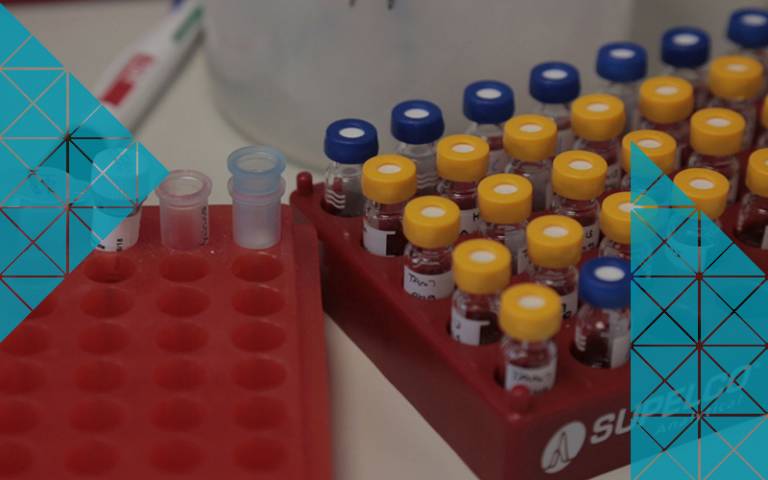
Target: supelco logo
(563, 447)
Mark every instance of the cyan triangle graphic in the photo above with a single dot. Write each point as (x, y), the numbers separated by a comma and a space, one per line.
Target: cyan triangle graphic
(45, 110)
(724, 343)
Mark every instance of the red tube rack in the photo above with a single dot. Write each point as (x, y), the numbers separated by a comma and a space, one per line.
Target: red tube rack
(577, 430)
(153, 364)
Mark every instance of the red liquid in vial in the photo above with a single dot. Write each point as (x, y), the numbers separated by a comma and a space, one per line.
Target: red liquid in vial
(388, 218)
(478, 308)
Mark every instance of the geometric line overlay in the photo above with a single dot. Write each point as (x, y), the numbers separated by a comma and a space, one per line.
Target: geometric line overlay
(699, 376)
(69, 172)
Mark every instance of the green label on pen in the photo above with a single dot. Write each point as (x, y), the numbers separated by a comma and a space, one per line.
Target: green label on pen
(192, 19)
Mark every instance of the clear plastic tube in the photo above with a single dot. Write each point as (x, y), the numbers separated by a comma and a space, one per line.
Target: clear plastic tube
(183, 199)
(256, 187)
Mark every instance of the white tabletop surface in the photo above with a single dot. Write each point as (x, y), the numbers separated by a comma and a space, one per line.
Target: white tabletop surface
(377, 434)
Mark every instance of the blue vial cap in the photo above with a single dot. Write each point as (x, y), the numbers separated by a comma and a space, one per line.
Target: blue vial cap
(351, 141)
(417, 122)
(554, 82)
(604, 282)
(621, 62)
(488, 101)
(685, 47)
(256, 170)
(748, 27)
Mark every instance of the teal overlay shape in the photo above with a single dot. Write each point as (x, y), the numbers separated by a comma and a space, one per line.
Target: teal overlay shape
(69, 172)
(699, 375)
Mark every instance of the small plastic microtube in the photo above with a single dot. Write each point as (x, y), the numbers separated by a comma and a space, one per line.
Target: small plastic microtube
(183, 199)
(256, 187)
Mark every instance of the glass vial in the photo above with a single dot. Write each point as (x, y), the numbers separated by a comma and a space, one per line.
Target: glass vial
(665, 105)
(389, 181)
(462, 161)
(748, 30)
(348, 144)
(685, 53)
(601, 328)
(481, 269)
(578, 180)
(487, 105)
(762, 140)
(615, 225)
(417, 125)
(530, 142)
(736, 83)
(529, 318)
(598, 122)
(504, 200)
(554, 85)
(752, 222)
(622, 65)
(554, 250)
(706, 188)
(431, 225)
(716, 139)
(659, 147)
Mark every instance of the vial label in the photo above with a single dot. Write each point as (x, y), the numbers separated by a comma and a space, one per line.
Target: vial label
(466, 331)
(381, 242)
(591, 236)
(428, 287)
(613, 176)
(764, 243)
(620, 350)
(124, 236)
(570, 304)
(469, 220)
(536, 379)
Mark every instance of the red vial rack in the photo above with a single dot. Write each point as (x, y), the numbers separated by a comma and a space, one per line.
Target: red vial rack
(151, 364)
(577, 430)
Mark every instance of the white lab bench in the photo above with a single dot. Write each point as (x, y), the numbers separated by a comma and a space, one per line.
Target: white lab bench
(377, 434)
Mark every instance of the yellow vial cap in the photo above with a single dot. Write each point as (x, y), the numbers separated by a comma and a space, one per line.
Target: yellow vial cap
(389, 179)
(505, 198)
(717, 132)
(764, 113)
(735, 77)
(431, 222)
(660, 147)
(579, 175)
(462, 158)
(757, 172)
(598, 117)
(666, 100)
(554, 241)
(530, 138)
(707, 189)
(615, 217)
(481, 267)
(530, 312)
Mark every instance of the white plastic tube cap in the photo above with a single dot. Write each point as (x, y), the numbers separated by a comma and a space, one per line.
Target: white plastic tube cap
(256, 187)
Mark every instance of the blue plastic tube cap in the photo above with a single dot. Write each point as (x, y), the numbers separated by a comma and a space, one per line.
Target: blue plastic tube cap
(554, 82)
(605, 282)
(351, 141)
(417, 122)
(622, 62)
(489, 101)
(685, 47)
(256, 187)
(748, 27)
